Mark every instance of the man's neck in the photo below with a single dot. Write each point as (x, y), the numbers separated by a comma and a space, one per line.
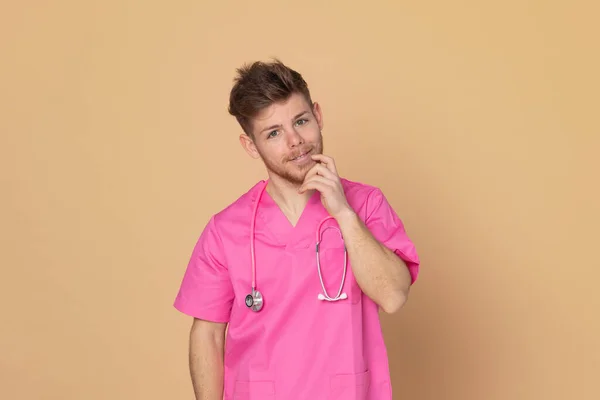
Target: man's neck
(286, 195)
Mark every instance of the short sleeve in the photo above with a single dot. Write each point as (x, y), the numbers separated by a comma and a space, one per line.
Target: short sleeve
(206, 291)
(386, 227)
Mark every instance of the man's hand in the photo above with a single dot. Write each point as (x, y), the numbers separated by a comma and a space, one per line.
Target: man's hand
(324, 178)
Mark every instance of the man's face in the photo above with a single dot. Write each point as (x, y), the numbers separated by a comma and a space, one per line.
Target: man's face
(285, 136)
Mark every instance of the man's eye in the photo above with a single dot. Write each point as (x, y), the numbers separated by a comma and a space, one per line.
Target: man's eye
(301, 121)
(272, 134)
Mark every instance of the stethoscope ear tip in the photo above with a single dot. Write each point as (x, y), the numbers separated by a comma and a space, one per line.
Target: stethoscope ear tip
(343, 296)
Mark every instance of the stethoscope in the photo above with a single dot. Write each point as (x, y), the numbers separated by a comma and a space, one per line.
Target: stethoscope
(255, 299)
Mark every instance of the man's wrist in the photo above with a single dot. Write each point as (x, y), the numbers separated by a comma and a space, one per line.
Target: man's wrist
(346, 217)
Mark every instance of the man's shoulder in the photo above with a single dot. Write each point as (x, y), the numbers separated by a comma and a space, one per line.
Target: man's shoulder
(240, 208)
(363, 197)
(358, 189)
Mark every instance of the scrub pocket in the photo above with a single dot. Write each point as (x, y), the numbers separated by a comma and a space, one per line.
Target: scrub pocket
(350, 386)
(258, 390)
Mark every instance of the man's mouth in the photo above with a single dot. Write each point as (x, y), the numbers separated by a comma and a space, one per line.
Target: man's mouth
(301, 156)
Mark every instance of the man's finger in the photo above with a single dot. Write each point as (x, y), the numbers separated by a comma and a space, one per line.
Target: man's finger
(321, 179)
(327, 161)
(319, 183)
(322, 188)
(320, 169)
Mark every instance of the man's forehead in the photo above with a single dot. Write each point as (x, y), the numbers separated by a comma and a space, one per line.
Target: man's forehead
(281, 112)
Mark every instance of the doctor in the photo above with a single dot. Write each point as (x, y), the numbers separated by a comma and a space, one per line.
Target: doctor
(297, 268)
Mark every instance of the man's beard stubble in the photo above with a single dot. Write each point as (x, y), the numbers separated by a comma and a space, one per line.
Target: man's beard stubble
(283, 173)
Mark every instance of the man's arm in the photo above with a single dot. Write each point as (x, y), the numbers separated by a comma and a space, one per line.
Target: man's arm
(380, 273)
(206, 352)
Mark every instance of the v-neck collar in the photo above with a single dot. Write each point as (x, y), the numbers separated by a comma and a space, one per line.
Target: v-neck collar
(283, 232)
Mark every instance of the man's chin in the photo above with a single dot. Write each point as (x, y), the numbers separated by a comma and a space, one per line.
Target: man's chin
(294, 174)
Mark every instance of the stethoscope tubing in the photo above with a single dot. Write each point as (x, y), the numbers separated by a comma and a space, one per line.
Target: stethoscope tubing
(325, 295)
(256, 295)
(253, 235)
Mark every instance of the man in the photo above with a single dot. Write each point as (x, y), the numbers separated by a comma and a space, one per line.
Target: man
(301, 323)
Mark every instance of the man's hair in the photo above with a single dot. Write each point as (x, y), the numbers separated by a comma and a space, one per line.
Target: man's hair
(261, 84)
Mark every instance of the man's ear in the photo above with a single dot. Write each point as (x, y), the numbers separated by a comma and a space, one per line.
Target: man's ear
(248, 144)
(318, 114)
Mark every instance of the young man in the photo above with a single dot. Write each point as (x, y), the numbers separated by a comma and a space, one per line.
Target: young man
(302, 318)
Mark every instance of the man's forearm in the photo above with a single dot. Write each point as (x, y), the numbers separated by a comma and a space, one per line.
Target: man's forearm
(206, 365)
(381, 274)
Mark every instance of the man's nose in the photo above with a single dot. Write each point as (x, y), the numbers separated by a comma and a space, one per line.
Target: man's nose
(294, 138)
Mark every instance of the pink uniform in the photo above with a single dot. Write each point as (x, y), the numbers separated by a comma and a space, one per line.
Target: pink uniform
(297, 346)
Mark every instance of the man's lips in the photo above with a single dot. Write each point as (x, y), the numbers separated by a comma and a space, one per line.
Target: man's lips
(301, 156)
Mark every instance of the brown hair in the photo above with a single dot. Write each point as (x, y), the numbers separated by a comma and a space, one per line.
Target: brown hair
(261, 84)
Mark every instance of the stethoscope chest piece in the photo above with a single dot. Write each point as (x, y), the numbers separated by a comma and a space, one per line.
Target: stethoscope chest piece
(254, 300)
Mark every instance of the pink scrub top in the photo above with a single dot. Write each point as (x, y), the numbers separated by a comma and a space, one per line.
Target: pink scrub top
(297, 346)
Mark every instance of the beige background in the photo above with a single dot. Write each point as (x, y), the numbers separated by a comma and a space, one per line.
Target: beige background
(479, 120)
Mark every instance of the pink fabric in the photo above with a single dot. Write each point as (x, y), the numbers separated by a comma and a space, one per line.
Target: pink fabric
(296, 347)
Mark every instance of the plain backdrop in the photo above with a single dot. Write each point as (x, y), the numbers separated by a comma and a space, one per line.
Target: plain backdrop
(478, 120)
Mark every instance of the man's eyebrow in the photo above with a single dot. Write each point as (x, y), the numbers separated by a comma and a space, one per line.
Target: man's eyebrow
(279, 125)
(301, 114)
(270, 128)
